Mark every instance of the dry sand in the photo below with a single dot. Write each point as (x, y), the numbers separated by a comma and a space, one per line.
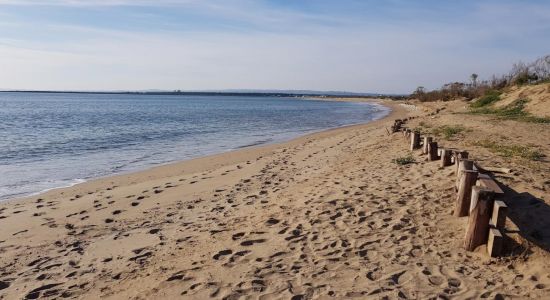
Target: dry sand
(326, 216)
(538, 95)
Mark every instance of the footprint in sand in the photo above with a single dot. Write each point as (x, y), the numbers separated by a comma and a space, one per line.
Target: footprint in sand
(272, 221)
(237, 236)
(4, 285)
(176, 276)
(238, 255)
(436, 280)
(252, 242)
(222, 253)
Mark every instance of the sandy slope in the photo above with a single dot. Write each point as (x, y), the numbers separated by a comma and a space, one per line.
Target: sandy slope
(324, 216)
(538, 95)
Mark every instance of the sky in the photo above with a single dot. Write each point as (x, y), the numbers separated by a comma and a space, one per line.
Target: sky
(390, 46)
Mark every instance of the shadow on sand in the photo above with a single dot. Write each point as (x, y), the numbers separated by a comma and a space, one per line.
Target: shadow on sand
(531, 217)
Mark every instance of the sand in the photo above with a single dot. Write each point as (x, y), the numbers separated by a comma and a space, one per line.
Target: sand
(325, 216)
(538, 95)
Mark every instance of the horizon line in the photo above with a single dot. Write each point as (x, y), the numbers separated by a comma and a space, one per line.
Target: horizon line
(214, 91)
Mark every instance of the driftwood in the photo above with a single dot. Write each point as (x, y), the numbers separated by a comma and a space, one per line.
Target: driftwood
(487, 182)
(493, 169)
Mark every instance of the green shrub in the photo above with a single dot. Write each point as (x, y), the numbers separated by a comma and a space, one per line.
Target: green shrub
(491, 96)
(512, 111)
(511, 150)
(534, 119)
(405, 160)
(449, 131)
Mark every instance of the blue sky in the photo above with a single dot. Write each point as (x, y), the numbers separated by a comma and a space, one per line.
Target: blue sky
(364, 46)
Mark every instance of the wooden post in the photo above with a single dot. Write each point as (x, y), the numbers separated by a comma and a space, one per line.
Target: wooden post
(498, 219)
(415, 140)
(481, 207)
(432, 151)
(427, 141)
(445, 157)
(396, 125)
(467, 181)
(464, 164)
(494, 242)
(458, 155)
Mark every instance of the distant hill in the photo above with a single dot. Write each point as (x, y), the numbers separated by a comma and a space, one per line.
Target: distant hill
(230, 92)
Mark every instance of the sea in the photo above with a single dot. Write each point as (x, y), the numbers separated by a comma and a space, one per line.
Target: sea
(52, 140)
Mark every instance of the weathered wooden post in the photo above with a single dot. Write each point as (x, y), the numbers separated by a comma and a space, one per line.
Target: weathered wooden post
(464, 164)
(497, 223)
(396, 125)
(432, 151)
(500, 210)
(468, 180)
(445, 157)
(481, 207)
(415, 140)
(427, 141)
(495, 242)
(458, 155)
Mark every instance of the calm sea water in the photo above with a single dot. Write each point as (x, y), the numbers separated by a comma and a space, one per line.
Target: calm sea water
(54, 140)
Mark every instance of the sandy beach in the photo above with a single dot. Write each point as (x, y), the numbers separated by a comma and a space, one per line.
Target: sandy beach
(324, 216)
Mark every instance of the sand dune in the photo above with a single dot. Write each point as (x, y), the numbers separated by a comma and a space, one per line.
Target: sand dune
(326, 216)
(538, 95)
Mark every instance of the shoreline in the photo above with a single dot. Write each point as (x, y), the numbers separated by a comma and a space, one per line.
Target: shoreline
(389, 104)
(326, 215)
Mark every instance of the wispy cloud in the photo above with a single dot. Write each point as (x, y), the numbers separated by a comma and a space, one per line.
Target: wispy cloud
(210, 44)
(96, 2)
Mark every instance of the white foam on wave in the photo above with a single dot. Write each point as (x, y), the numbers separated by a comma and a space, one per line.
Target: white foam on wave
(7, 192)
(69, 183)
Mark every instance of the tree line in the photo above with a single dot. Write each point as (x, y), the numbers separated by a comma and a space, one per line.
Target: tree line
(521, 73)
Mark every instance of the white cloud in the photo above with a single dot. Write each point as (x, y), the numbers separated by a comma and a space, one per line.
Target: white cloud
(96, 2)
(359, 61)
(385, 57)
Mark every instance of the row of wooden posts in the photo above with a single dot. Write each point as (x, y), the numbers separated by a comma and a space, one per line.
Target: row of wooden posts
(477, 193)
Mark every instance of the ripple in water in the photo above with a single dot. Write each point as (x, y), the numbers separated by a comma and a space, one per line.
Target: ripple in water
(53, 140)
